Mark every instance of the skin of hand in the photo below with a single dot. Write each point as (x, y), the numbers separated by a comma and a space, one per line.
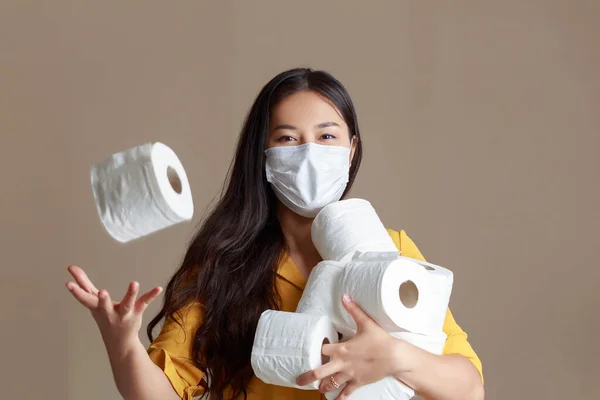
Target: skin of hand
(119, 322)
(362, 360)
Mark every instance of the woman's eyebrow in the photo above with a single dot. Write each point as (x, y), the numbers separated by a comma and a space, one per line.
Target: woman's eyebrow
(285, 127)
(293, 128)
(326, 125)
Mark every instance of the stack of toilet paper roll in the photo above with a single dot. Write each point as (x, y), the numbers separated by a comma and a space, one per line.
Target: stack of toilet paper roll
(406, 297)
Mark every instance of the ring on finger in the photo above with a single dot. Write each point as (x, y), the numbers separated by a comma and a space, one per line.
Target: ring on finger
(333, 382)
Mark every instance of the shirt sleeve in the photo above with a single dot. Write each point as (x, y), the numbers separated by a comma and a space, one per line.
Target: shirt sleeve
(457, 340)
(171, 351)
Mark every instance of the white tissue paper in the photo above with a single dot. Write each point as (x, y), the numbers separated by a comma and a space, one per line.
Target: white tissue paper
(287, 345)
(344, 227)
(400, 295)
(374, 255)
(140, 191)
(321, 292)
(443, 281)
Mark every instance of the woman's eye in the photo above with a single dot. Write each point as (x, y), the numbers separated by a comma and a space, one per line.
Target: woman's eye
(327, 136)
(286, 139)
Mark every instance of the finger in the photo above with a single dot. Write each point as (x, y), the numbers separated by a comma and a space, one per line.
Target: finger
(82, 279)
(327, 385)
(348, 390)
(336, 349)
(86, 299)
(105, 303)
(359, 316)
(147, 298)
(128, 301)
(317, 374)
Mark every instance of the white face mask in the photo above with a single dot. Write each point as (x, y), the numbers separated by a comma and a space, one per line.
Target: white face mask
(307, 177)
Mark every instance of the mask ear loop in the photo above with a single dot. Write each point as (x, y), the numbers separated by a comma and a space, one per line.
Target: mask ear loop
(352, 149)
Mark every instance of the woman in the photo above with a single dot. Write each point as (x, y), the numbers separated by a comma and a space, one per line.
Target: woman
(298, 151)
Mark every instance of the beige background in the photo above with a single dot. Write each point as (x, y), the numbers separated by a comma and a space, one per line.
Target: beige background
(481, 124)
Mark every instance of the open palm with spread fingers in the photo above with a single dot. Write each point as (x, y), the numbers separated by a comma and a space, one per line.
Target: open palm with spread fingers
(119, 322)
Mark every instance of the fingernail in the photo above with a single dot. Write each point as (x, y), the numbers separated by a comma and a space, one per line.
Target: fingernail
(347, 298)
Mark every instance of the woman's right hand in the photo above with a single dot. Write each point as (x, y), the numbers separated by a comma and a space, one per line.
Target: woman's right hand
(119, 322)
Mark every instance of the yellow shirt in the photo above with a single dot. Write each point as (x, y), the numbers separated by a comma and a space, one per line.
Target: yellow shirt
(172, 349)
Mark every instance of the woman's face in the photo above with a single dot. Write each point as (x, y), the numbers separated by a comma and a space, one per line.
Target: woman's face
(305, 117)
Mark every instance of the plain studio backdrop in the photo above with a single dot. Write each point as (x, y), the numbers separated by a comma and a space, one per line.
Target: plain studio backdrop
(481, 126)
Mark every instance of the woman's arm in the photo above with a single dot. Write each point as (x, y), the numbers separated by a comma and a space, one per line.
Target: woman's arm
(137, 377)
(374, 354)
(445, 377)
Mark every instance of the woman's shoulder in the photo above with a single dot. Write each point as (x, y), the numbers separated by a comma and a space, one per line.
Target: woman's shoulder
(186, 319)
(405, 244)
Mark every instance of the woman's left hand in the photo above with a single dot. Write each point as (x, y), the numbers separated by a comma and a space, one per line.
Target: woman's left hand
(368, 357)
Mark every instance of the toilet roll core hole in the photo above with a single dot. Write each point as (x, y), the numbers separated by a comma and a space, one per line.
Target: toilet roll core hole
(409, 294)
(324, 359)
(174, 180)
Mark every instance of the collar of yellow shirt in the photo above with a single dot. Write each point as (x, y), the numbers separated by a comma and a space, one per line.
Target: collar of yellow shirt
(291, 273)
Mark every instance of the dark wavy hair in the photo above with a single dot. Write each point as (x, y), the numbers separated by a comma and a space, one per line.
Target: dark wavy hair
(231, 264)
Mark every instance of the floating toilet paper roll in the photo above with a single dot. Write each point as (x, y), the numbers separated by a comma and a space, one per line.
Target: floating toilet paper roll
(287, 345)
(344, 227)
(400, 295)
(140, 191)
(386, 389)
(321, 294)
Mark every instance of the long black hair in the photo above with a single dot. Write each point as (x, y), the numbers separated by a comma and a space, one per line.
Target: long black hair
(231, 265)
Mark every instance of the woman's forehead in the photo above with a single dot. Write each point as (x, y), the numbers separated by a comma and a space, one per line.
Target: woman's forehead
(305, 108)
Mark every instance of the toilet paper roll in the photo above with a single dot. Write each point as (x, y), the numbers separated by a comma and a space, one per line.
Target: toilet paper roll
(400, 295)
(344, 227)
(443, 279)
(287, 345)
(140, 191)
(321, 293)
(374, 255)
(387, 388)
